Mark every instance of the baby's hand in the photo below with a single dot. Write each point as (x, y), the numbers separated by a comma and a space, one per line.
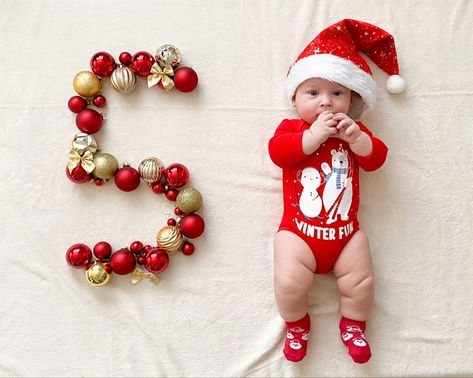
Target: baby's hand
(347, 129)
(323, 127)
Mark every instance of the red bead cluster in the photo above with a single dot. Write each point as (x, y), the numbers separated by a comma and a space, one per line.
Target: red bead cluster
(163, 180)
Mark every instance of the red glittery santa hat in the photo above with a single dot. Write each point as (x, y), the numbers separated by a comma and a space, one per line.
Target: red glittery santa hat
(333, 55)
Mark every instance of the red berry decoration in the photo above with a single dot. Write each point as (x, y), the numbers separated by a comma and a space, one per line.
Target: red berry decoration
(127, 179)
(78, 255)
(125, 58)
(141, 63)
(78, 175)
(102, 64)
(192, 226)
(188, 249)
(102, 250)
(99, 101)
(122, 261)
(136, 247)
(76, 104)
(157, 260)
(176, 175)
(185, 79)
(89, 121)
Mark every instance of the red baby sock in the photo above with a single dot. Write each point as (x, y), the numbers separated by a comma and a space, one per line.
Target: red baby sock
(297, 334)
(351, 332)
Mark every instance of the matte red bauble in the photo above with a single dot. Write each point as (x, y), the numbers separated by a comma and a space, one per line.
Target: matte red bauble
(89, 121)
(102, 250)
(127, 179)
(102, 64)
(99, 101)
(185, 79)
(171, 194)
(125, 58)
(78, 175)
(122, 261)
(78, 255)
(188, 249)
(192, 226)
(156, 261)
(176, 175)
(76, 104)
(141, 63)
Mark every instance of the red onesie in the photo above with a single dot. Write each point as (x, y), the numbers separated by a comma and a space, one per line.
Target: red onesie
(321, 191)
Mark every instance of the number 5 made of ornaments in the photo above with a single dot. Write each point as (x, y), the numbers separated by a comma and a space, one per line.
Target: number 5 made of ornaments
(87, 163)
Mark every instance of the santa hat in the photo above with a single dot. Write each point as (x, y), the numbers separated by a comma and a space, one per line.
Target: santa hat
(333, 55)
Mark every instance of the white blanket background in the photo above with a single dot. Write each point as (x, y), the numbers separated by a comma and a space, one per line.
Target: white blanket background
(213, 314)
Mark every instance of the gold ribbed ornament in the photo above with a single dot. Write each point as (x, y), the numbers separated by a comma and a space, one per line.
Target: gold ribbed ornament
(105, 165)
(97, 275)
(123, 80)
(151, 170)
(170, 239)
(189, 200)
(87, 84)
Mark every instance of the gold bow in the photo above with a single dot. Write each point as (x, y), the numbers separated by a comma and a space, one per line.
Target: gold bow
(86, 160)
(161, 74)
(137, 275)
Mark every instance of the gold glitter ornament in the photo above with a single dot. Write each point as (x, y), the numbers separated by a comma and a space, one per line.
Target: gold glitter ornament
(168, 55)
(123, 80)
(105, 165)
(151, 170)
(97, 275)
(189, 200)
(87, 84)
(170, 239)
(84, 142)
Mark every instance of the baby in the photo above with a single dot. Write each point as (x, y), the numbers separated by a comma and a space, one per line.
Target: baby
(320, 153)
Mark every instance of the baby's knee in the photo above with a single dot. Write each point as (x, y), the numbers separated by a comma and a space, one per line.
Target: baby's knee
(355, 284)
(289, 282)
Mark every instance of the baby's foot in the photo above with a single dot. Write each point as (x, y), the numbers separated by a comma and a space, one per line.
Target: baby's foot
(297, 335)
(351, 332)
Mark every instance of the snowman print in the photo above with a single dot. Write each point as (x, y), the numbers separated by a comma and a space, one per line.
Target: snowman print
(310, 202)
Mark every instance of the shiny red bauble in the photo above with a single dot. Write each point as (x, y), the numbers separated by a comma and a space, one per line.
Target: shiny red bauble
(176, 175)
(171, 194)
(102, 250)
(78, 255)
(185, 79)
(89, 121)
(156, 260)
(158, 188)
(136, 247)
(141, 63)
(188, 248)
(171, 222)
(99, 101)
(78, 175)
(125, 58)
(102, 64)
(127, 179)
(122, 261)
(192, 226)
(76, 104)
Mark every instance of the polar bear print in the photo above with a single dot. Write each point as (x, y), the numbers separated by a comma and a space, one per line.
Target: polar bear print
(338, 191)
(310, 202)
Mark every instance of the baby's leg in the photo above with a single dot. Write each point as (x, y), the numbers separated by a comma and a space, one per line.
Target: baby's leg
(355, 281)
(294, 266)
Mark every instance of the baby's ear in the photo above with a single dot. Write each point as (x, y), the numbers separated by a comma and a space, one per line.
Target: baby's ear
(293, 100)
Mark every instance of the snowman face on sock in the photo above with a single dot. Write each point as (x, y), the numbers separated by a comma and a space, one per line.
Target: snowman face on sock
(346, 336)
(289, 335)
(359, 342)
(295, 344)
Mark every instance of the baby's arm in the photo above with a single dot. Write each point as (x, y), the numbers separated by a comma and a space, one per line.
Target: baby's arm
(318, 132)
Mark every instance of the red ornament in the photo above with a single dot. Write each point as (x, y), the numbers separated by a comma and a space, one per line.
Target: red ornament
(78, 175)
(141, 260)
(125, 58)
(78, 255)
(89, 121)
(99, 101)
(192, 226)
(158, 188)
(136, 246)
(171, 222)
(102, 250)
(98, 182)
(178, 211)
(141, 63)
(127, 179)
(171, 194)
(157, 260)
(147, 248)
(188, 248)
(122, 261)
(76, 104)
(176, 175)
(185, 79)
(102, 64)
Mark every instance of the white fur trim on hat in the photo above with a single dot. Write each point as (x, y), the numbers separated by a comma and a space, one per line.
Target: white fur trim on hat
(338, 70)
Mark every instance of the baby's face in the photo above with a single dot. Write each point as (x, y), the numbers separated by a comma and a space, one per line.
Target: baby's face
(316, 95)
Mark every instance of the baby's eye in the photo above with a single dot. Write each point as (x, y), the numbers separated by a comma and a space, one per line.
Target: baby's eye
(337, 93)
(313, 93)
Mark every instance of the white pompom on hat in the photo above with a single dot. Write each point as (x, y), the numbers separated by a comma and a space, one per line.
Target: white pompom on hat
(333, 55)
